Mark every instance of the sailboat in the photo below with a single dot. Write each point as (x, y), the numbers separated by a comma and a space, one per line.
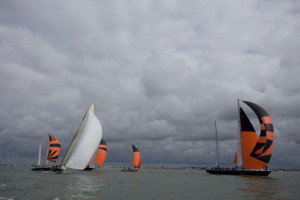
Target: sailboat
(84, 143)
(52, 152)
(253, 154)
(136, 163)
(38, 167)
(99, 156)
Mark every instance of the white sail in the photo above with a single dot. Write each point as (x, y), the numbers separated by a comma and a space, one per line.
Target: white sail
(239, 151)
(217, 151)
(39, 159)
(47, 151)
(90, 164)
(85, 141)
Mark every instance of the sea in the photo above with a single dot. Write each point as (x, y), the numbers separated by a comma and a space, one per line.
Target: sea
(147, 184)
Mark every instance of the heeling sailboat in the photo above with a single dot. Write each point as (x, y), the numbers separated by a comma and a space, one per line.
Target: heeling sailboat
(253, 153)
(84, 143)
(98, 157)
(136, 163)
(38, 167)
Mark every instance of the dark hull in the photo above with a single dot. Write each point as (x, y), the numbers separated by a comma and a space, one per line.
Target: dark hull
(56, 169)
(129, 169)
(40, 168)
(36, 169)
(46, 168)
(89, 168)
(239, 172)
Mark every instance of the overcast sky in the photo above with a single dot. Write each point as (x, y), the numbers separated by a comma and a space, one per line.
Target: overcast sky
(160, 73)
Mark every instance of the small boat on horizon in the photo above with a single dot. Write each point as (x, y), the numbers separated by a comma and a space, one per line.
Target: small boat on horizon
(136, 163)
(253, 153)
(99, 156)
(84, 143)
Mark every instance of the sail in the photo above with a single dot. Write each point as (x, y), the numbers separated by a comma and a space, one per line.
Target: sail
(264, 146)
(101, 155)
(136, 157)
(54, 148)
(217, 151)
(248, 140)
(39, 159)
(84, 143)
(239, 154)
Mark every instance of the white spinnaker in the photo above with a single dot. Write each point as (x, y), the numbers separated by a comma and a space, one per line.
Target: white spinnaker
(87, 142)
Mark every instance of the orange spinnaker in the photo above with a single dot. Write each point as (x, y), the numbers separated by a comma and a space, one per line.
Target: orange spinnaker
(102, 152)
(136, 157)
(54, 148)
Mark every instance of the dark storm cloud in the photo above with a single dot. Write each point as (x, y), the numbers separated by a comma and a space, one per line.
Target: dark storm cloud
(160, 74)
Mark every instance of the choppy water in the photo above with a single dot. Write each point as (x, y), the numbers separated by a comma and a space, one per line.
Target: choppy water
(22, 183)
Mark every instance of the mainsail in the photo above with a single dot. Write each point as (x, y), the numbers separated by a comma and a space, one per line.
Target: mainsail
(39, 158)
(54, 148)
(84, 143)
(136, 157)
(101, 155)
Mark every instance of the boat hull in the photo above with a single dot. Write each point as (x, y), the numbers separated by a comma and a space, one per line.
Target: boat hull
(231, 171)
(57, 169)
(46, 168)
(129, 169)
(36, 169)
(89, 168)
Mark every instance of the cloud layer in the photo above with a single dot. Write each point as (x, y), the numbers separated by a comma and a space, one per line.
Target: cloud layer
(160, 74)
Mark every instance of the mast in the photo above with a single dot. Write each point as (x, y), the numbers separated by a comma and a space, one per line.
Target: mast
(131, 158)
(217, 151)
(239, 153)
(39, 159)
(47, 151)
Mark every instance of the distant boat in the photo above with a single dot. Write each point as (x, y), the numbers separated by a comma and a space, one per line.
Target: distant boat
(100, 158)
(53, 150)
(253, 153)
(84, 143)
(38, 167)
(136, 163)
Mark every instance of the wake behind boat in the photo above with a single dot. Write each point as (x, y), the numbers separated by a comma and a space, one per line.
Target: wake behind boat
(253, 153)
(84, 143)
(136, 164)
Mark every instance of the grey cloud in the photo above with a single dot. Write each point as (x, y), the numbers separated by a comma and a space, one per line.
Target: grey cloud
(160, 74)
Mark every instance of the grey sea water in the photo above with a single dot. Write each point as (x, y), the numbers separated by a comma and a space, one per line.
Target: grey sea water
(111, 183)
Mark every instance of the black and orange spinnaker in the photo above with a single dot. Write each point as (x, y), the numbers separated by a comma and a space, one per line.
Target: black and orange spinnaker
(264, 146)
(101, 155)
(54, 148)
(136, 157)
(249, 140)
